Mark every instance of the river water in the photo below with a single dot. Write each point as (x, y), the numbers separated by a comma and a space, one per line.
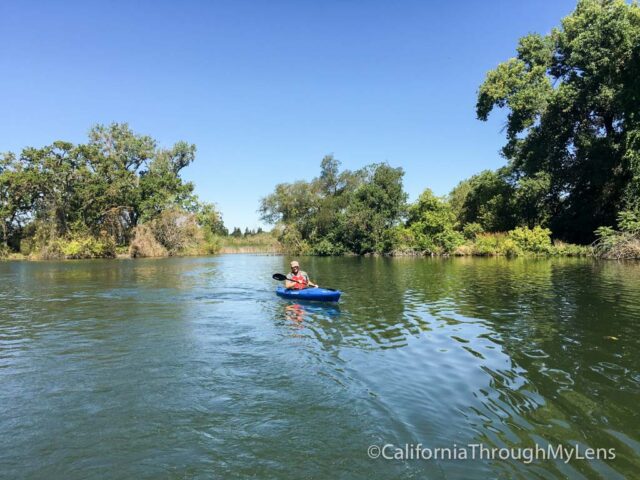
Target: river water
(193, 368)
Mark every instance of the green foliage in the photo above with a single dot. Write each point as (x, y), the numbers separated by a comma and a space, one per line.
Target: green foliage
(571, 250)
(486, 199)
(210, 244)
(629, 221)
(573, 128)
(293, 241)
(623, 243)
(524, 241)
(338, 211)
(375, 207)
(472, 230)
(325, 248)
(431, 221)
(77, 247)
(495, 244)
(536, 240)
(106, 186)
(210, 219)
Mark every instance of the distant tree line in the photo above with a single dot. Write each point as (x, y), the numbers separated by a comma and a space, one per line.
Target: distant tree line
(572, 151)
(237, 232)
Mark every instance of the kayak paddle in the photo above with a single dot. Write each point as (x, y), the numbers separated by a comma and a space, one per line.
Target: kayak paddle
(280, 277)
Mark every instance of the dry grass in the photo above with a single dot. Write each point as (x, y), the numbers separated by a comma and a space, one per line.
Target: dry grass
(623, 246)
(260, 243)
(144, 244)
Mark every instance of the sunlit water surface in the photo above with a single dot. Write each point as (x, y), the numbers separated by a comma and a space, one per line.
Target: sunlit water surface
(193, 368)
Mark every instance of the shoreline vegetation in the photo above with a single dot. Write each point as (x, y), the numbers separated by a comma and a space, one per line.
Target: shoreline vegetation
(570, 186)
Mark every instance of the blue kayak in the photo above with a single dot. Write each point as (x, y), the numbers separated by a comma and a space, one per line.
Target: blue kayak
(319, 294)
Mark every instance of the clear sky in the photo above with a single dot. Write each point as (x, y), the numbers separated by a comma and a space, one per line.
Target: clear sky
(266, 88)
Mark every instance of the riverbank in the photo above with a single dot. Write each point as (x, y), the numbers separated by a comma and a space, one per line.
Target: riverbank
(510, 245)
(486, 245)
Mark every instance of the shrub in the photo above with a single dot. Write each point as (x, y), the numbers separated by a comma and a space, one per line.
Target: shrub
(177, 231)
(325, 248)
(623, 244)
(629, 221)
(535, 240)
(26, 246)
(471, 230)
(210, 243)
(292, 241)
(448, 240)
(403, 240)
(616, 245)
(496, 244)
(81, 246)
(487, 244)
(463, 250)
(571, 250)
(173, 232)
(144, 243)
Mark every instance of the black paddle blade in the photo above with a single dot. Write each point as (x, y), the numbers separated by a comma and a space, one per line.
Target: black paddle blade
(278, 276)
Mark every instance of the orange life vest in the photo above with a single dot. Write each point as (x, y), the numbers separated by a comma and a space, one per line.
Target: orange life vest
(301, 279)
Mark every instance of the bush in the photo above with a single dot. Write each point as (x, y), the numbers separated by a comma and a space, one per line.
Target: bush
(487, 244)
(292, 241)
(42, 241)
(536, 240)
(629, 221)
(623, 244)
(620, 246)
(448, 240)
(144, 243)
(496, 244)
(177, 231)
(471, 230)
(80, 246)
(571, 250)
(402, 240)
(463, 250)
(326, 248)
(173, 232)
(26, 246)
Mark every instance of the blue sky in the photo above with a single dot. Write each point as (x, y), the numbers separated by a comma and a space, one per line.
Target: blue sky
(266, 88)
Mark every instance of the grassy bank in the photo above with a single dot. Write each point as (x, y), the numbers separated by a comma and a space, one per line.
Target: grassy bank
(264, 242)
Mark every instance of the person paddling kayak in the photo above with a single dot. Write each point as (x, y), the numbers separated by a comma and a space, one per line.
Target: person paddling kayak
(298, 279)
